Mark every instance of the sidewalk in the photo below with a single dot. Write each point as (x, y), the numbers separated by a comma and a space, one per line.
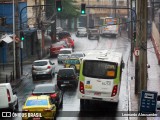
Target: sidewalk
(153, 83)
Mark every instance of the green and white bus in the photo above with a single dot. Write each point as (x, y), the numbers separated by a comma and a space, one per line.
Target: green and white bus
(100, 76)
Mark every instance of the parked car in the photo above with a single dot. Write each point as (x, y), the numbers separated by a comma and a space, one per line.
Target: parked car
(63, 34)
(64, 54)
(93, 33)
(78, 54)
(69, 41)
(42, 105)
(41, 68)
(81, 31)
(52, 90)
(55, 48)
(73, 62)
(67, 77)
(8, 98)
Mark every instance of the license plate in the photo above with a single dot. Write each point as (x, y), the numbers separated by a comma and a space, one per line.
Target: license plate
(97, 93)
(66, 82)
(40, 73)
(37, 118)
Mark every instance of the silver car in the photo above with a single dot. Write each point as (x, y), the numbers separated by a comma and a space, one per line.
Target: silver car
(41, 68)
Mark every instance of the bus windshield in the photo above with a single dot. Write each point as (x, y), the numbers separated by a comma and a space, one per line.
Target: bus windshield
(99, 69)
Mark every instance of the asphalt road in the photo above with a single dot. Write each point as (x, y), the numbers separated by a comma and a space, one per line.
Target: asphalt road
(71, 104)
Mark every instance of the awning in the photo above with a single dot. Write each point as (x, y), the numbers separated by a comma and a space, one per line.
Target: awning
(6, 39)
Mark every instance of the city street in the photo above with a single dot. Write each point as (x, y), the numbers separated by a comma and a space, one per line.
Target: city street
(71, 104)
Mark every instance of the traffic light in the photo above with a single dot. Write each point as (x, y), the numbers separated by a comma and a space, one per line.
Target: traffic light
(22, 36)
(83, 8)
(134, 35)
(58, 6)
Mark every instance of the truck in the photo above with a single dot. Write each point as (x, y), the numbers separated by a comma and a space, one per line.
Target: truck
(109, 26)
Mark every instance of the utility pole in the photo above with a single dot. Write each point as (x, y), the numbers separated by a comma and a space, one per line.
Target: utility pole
(131, 33)
(17, 46)
(141, 44)
(115, 5)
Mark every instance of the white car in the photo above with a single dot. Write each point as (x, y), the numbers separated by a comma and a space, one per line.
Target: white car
(81, 31)
(64, 54)
(8, 99)
(42, 68)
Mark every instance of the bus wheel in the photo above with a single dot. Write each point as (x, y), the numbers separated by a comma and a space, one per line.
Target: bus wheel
(81, 104)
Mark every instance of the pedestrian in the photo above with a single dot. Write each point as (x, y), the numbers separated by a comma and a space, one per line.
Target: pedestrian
(120, 30)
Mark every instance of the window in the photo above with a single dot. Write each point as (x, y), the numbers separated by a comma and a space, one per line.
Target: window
(99, 69)
(40, 63)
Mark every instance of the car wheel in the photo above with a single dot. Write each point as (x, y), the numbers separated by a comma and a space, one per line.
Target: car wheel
(34, 77)
(61, 104)
(17, 106)
(59, 86)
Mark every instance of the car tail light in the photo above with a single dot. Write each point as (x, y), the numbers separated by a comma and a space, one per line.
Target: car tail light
(114, 91)
(9, 96)
(33, 94)
(81, 87)
(53, 95)
(46, 109)
(48, 67)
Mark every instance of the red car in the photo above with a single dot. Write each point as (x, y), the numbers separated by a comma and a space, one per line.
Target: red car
(55, 48)
(69, 41)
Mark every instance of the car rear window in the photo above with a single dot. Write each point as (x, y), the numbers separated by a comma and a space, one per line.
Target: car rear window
(65, 52)
(37, 102)
(44, 89)
(76, 55)
(72, 61)
(40, 63)
(94, 31)
(64, 72)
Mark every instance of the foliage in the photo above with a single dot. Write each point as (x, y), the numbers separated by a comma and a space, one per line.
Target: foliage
(69, 10)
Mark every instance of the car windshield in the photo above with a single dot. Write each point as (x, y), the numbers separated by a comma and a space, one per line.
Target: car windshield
(44, 89)
(40, 63)
(65, 52)
(37, 102)
(64, 72)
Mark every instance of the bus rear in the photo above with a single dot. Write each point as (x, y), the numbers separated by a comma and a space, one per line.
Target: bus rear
(99, 80)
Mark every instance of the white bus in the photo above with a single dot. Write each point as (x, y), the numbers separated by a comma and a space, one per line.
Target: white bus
(109, 26)
(100, 76)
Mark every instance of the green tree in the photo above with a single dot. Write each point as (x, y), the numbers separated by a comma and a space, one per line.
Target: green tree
(69, 9)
